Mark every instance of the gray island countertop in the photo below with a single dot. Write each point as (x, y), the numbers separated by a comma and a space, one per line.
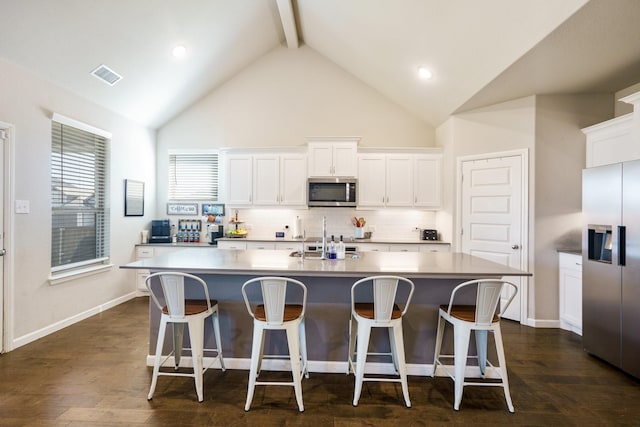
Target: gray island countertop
(270, 262)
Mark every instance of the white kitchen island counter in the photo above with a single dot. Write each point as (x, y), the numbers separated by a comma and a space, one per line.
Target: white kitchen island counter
(329, 286)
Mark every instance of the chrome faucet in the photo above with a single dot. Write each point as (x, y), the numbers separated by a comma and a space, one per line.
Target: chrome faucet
(323, 254)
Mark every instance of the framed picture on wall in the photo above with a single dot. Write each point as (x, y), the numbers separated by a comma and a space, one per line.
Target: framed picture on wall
(133, 198)
(216, 209)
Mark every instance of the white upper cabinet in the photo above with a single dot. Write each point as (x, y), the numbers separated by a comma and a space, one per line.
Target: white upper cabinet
(293, 180)
(427, 185)
(279, 179)
(338, 158)
(399, 180)
(239, 179)
(267, 179)
(385, 179)
(399, 177)
(615, 140)
(371, 180)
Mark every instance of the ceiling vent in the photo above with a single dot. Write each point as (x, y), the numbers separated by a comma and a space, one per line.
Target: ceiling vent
(107, 75)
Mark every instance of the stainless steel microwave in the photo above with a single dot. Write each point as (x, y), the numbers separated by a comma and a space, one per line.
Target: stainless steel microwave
(332, 192)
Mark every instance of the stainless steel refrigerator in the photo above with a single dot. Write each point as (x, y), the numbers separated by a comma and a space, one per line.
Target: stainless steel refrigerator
(611, 264)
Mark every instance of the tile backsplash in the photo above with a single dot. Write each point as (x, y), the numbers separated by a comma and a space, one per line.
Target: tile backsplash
(383, 223)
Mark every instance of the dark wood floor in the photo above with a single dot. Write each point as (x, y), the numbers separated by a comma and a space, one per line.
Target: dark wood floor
(94, 374)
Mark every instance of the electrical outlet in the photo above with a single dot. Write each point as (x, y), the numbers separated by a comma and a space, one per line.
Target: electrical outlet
(22, 207)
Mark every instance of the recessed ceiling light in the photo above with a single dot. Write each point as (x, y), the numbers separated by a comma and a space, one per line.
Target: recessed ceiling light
(424, 73)
(179, 51)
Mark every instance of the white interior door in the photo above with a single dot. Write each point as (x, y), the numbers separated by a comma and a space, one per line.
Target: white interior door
(3, 140)
(492, 206)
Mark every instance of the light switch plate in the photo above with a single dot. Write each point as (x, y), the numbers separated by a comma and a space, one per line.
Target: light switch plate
(22, 206)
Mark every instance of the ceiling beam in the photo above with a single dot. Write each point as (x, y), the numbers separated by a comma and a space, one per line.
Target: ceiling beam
(288, 23)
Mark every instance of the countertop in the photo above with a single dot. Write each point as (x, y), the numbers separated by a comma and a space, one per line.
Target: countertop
(349, 241)
(571, 251)
(269, 262)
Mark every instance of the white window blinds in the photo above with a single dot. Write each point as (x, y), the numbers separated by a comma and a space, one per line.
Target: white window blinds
(79, 197)
(193, 176)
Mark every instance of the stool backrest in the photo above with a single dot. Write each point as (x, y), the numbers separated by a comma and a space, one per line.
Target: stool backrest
(273, 295)
(173, 291)
(384, 290)
(487, 298)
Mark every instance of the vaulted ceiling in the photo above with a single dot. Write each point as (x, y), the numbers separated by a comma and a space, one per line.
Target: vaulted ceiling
(480, 52)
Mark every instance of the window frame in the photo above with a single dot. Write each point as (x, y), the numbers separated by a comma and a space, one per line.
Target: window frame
(171, 196)
(71, 270)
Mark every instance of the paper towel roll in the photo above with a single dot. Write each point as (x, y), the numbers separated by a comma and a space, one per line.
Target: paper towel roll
(297, 228)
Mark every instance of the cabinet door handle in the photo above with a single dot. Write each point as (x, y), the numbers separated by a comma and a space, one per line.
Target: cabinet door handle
(622, 245)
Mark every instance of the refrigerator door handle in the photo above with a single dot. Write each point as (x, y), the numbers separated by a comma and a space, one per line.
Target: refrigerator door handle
(622, 245)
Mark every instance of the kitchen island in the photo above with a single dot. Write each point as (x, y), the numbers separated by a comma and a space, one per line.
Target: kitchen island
(329, 284)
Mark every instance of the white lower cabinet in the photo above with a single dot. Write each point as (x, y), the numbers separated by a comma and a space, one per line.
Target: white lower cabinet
(570, 298)
(261, 245)
(232, 244)
(432, 247)
(149, 252)
(404, 248)
(290, 246)
(373, 247)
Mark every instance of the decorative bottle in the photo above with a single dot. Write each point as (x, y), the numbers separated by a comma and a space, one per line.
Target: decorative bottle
(340, 252)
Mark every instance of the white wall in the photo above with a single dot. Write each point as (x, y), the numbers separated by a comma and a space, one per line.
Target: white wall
(283, 97)
(37, 306)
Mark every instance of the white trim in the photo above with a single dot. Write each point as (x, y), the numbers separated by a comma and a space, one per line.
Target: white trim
(65, 276)
(401, 150)
(524, 253)
(54, 327)
(543, 323)
(79, 125)
(355, 139)
(634, 98)
(9, 224)
(570, 326)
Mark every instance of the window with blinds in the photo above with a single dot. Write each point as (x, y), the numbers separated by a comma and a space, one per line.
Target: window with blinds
(79, 197)
(193, 176)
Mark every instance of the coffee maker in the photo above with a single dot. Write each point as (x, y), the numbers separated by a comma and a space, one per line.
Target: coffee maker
(215, 231)
(160, 231)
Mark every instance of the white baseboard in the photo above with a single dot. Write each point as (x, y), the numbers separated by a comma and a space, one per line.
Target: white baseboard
(568, 326)
(330, 367)
(54, 327)
(543, 323)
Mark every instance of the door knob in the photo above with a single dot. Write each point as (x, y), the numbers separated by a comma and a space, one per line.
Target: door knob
(515, 247)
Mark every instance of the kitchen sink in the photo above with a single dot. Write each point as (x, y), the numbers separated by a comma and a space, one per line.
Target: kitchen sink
(317, 255)
(307, 254)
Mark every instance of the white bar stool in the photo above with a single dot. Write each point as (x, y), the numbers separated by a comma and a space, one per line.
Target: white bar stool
(481, 318)
(179, 311)
(270, 311)
(383, 312)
